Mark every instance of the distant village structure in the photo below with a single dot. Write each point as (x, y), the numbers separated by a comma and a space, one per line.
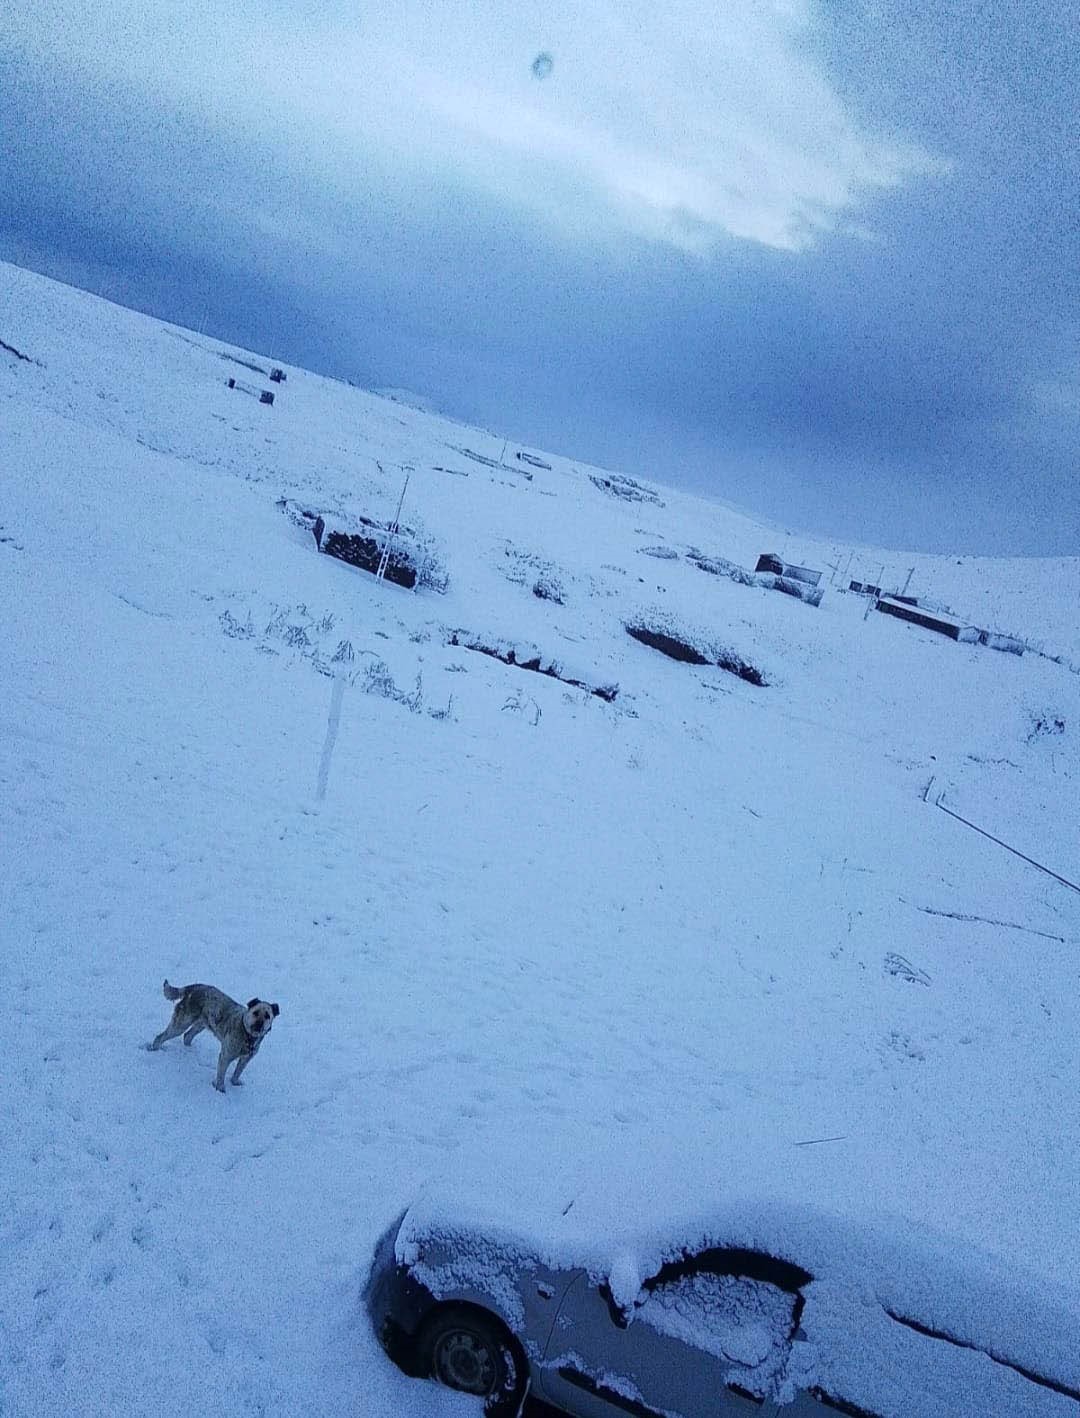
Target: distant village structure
(931, 616)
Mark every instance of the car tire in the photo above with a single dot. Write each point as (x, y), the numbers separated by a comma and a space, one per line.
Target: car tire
(471, 1351)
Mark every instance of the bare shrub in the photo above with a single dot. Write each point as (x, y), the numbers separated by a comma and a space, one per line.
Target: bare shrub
(549, 588)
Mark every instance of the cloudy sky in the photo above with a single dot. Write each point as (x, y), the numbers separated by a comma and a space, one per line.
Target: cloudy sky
(818, 258)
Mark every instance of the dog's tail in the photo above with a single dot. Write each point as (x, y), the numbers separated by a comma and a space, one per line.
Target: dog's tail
(171, 992)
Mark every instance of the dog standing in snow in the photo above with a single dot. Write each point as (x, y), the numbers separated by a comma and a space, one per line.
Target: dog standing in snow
(239, 1029)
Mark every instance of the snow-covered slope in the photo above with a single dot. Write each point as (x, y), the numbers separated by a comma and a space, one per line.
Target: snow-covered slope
(504, 917)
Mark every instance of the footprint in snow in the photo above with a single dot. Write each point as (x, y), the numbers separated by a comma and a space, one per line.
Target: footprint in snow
(904, 1046)
(239, 1157)
(102, 1229)
(45, 1314)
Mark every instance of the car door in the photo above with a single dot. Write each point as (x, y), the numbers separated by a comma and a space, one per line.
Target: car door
(704, 1339)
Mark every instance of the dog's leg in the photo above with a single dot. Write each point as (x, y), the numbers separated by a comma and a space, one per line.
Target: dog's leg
(174, 1028)
(241, 1064)
(196, 1028)
(224, 1060)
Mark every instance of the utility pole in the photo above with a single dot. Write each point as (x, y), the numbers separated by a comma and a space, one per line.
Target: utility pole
(873, 600)
(384, 560)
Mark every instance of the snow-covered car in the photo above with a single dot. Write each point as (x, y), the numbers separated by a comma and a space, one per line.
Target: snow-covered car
(755, 1309)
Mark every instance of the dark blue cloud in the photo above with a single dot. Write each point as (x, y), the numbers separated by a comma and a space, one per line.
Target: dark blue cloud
(874, 388)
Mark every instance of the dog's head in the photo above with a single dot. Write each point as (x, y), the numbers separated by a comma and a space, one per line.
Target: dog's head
(259, 1016)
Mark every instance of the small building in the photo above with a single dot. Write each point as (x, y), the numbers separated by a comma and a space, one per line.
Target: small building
(264, 396)
(769, 561)
(938, 621)
(277, 375)
(1009, 643)
(778, 575)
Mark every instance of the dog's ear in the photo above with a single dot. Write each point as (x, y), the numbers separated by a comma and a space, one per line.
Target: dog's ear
(252, 1002)
(276, 1010)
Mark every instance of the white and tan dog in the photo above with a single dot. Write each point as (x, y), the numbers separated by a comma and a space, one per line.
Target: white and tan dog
(239, 1029)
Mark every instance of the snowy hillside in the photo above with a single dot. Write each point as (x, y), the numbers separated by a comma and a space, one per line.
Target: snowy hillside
(630, 902)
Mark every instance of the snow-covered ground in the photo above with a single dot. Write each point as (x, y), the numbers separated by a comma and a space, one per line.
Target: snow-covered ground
(505, 918)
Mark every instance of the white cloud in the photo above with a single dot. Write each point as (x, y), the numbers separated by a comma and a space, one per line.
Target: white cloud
(687, 122)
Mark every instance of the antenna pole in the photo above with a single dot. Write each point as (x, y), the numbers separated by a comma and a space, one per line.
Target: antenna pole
(384, 560)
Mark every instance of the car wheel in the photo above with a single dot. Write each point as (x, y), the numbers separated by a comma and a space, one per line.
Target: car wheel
(473, 1352)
